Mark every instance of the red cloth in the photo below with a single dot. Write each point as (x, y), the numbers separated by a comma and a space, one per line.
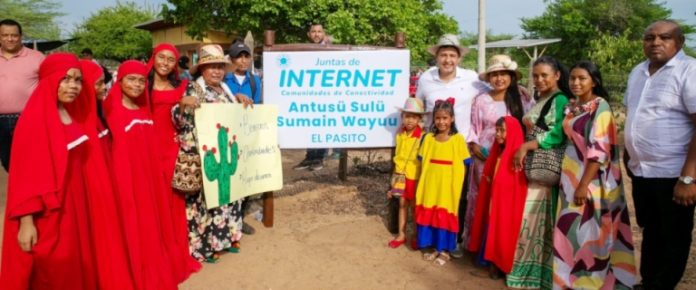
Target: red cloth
(410, 189)
(44, 182)
(168, 148)
(110, 245)
(504, 196)
(141, 188)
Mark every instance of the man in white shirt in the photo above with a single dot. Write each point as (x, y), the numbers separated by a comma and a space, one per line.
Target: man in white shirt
(446, 80)
(661, 153)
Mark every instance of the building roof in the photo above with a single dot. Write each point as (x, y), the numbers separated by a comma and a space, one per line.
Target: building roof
(154, 24)
(44, 45)
(518, 43)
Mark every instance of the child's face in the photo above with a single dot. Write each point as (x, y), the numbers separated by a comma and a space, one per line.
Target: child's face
(443, 121)
(410, 120)
(500, 134)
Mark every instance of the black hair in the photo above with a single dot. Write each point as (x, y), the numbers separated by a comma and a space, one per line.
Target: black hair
(596, 76)
(11, 22)
(101, 115)
(171, 77)
(513, 98)
(556, 66)
(447, 107)
(678, 32)
(500, 122)
(183, 62)
(86, 51)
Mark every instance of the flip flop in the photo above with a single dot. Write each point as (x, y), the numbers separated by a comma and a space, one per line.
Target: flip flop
(396, 243)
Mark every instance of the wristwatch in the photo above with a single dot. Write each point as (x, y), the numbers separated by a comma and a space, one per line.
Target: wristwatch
(686, 180)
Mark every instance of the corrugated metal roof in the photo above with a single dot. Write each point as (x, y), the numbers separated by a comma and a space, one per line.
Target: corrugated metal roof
(518, 43)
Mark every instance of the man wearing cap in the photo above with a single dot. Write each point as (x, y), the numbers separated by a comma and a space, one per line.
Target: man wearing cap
(446, 80)
(241, 80)
(19, 74)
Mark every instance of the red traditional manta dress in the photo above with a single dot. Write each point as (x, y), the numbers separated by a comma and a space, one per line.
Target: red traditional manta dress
(59, 176)
(168, 148)
(500, 203)
(143, 197)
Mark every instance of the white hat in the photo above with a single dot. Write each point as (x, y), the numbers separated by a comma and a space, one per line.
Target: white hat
(448, 40)
(500, 62)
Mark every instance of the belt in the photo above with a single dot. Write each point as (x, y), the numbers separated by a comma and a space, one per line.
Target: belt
(12, 115)
(443, 162)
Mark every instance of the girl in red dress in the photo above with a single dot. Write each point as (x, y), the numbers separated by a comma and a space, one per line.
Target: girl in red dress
(166, 90)
(58, 192)
(143, 195)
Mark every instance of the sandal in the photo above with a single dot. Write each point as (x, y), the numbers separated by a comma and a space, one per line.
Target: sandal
(213, 259)
(396, 243)
(442, 259)
(235, 248)
(430, 256)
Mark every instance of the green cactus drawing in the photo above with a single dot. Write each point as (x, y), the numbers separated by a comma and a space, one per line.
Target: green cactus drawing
(224, 170)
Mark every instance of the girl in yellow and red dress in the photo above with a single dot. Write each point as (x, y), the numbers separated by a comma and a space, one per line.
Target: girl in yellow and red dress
(443, 155)
(406, 165)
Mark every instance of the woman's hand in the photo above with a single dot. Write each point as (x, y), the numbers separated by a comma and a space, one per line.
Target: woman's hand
(476, 150)
(580, 195)
(245, 100)
(27, 236)
(188, 102)
(518, 160)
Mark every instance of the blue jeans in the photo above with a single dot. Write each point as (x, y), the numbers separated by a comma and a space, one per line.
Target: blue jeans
(7, 126)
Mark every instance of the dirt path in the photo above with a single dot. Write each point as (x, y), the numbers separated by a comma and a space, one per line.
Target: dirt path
(332, 235)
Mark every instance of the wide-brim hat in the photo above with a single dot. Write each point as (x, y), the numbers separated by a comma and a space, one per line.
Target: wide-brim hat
(500, 62)
(450, 40)
(413, 105)
(210, 53)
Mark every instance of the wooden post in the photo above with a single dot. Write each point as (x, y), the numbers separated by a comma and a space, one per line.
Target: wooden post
(400, 40)
(343, 165)
(268, 41)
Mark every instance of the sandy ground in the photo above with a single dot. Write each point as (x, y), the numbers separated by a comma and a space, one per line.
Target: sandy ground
(330, 234)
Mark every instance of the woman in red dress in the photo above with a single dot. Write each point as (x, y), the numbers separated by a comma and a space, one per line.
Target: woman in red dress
(143, 196)
(166, 90)
(59, 181)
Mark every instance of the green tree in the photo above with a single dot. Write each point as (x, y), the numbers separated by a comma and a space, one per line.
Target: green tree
(616, 56)
(37, 17)
(366, 22)
(579, 22)
(110, 33)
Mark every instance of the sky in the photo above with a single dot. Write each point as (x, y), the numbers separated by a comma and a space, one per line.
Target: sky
(502, 16)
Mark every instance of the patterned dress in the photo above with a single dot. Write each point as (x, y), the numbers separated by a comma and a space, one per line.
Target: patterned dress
(593, 246)
(213, 230)
(484, 113)
(439, 191)
(533, 266)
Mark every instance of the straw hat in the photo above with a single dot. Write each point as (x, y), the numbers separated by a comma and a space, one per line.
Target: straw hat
(413, 105)
(210, 53)
(448, 40)
(500, 62)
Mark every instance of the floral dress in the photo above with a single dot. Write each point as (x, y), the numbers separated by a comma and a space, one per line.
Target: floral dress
(593, 245)
(217, 229)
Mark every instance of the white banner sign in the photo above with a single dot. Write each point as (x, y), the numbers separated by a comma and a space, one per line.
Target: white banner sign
(336, 99)
(239, 151)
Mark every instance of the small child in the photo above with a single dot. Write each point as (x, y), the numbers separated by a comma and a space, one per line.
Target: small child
(502, 192)
(406, 165)
(443, 153)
